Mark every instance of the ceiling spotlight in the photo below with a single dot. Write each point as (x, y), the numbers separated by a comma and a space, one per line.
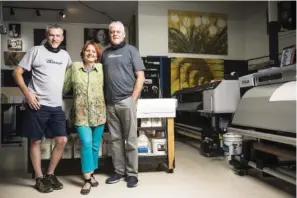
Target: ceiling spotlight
(37, 12)
(62, 14)
(11, 12)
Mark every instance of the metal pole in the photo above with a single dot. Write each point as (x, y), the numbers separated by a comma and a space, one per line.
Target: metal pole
(271, 172)
(273, 28)
(265, 136)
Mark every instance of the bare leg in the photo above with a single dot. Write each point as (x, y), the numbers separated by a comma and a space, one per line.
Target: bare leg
(36, 157)
(87, 185)
(87, 175)
(57, 153)
(93, 180)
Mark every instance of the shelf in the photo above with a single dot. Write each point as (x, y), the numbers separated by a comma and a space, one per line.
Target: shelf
(105, 164)
(152, 128)
(150, 155)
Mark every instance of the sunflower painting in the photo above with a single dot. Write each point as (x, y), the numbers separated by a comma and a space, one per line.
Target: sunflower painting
(197, 33)
(191, 72)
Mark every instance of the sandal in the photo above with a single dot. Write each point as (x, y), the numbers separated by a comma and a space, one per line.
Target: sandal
(84, 191)
(95, 183)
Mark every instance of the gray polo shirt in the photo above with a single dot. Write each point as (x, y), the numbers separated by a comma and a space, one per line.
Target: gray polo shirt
(48, 71)
(120, 67)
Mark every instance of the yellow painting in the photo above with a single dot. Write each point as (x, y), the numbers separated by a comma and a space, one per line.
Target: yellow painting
(197, 33)
(191, 72)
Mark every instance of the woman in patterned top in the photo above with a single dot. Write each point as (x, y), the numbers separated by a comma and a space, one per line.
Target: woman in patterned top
(89, 111)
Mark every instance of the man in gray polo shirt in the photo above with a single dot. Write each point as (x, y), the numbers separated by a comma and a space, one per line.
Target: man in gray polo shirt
(124, 78)
(44, 114)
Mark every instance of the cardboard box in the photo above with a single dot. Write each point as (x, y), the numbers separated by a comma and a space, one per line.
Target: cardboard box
(106, 146)
(100, 149)
(156, 122)
(76, 146)
(68, 149)
(45, 149)
(146, 122)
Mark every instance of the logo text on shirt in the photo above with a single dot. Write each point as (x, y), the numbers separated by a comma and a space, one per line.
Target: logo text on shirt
(53, 62)
(114, 55)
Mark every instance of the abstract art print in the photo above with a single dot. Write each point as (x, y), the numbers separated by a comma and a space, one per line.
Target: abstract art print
(40, 38)
(191, 72)
(12, 59)
(14, 45)
(288, 56)
(98, 35)
(197, 33)
(14, 30)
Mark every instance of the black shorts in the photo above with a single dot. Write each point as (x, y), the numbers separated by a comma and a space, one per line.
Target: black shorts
(46, 121)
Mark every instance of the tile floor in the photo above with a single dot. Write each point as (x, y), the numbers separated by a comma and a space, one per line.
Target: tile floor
(194, 177)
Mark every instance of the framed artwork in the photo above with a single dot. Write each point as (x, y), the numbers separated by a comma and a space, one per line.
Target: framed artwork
(98, 35)
(14, 30)
(15, 45)
(197, 32)
(12, 59)
(288, 56)
(191, 72)
(40, 38)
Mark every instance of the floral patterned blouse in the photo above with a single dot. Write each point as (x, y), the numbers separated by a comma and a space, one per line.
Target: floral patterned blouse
(88, 99)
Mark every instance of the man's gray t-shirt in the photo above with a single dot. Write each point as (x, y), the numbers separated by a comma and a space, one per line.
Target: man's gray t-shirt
(120, 67)
(48, 72)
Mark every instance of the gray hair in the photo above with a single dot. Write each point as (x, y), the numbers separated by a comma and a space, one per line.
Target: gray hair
(117, 23)
(54, 26)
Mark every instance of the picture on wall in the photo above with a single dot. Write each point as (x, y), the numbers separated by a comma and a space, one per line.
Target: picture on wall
(12, 59)
(288, 56)
(14, 30)
(15, 45)
(191, 72)
(197, 33)
(40, 38)
(98, 35)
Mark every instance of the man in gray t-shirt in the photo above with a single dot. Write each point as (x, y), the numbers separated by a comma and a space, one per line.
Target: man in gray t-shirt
(124, 78)
(44, 114)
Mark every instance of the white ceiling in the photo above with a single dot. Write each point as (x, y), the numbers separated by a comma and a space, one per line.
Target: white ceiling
(118, 10)
(76, 12)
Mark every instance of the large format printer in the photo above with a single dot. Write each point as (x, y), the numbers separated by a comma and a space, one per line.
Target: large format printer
(266, 118)
(204, 112)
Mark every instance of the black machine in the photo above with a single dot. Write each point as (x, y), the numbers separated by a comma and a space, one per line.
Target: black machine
(151, 87)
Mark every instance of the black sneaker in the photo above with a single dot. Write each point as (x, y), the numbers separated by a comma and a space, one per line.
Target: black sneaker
(56, 184)
(114, 179)
(132, 181)
(43, 185)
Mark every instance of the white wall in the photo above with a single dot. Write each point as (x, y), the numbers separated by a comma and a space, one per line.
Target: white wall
(74, 33)
(256, 37)
(137, 29)
(153, 27)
